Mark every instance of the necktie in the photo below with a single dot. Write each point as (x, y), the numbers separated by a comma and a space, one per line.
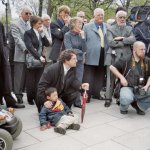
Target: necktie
(101, 36)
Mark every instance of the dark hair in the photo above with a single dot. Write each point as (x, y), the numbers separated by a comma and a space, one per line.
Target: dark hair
(66, 55)
(34, 20)
(50, 90)
(121, 8)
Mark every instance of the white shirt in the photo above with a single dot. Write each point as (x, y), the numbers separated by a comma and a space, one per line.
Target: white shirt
(65, 70)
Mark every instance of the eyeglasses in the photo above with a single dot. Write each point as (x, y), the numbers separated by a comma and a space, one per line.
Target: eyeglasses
(28, 13)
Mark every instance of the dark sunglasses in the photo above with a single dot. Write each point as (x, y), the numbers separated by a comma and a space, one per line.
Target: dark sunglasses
(27, 13)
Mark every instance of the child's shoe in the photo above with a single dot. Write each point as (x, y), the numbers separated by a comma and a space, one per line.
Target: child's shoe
(74, 126)
(60, 130)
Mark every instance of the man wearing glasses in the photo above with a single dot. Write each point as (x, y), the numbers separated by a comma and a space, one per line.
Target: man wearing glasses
(17, 29)
(120, 39)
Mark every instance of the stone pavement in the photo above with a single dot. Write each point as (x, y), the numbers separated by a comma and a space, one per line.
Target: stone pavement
(103, 129)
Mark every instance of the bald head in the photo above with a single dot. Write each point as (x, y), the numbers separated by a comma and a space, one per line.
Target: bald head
(139, 50)
(137, 44)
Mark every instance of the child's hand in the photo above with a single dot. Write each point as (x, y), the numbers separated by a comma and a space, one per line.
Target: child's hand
(48, 104)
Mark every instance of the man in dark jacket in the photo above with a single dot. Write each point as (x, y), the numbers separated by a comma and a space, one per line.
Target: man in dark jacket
(62, 76)
(5, 73)
(58, 30)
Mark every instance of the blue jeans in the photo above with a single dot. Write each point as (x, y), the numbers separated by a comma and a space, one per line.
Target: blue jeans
(127, 97)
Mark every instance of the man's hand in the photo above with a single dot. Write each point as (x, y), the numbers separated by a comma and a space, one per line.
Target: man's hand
(85, 86)
(42, 59)
(48, 104)
(123, 81)
(145, 88)
(119, 38)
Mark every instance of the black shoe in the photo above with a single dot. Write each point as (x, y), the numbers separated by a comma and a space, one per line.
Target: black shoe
(123, 112)
(17, 105)
(31, 102)
(74, 127)
(138, 110)
(20, 100)
(107, 102)
(60, 130)
(79, 106)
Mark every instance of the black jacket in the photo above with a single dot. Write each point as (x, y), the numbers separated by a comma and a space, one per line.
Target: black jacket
(53, 76)
(58, 31)
(32, 43)
(5, 74)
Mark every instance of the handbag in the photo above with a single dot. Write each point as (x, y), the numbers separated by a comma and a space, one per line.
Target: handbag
(32, 63)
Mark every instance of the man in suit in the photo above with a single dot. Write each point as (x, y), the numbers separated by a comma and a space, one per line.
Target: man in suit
(58, 30)
(18, 28)
(47, 31)
(120, 39)
(96, 40)
(5, 73)
(62, 76)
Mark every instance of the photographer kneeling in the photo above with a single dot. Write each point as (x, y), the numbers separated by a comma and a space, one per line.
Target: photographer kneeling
(135, 81)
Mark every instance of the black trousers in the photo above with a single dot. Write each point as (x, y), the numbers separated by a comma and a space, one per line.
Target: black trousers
(69, 97)
(95, 75)
(32, 79)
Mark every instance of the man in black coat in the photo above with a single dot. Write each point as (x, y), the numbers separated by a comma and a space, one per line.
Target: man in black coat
(62, 76)
(5, 73)
(58, 30)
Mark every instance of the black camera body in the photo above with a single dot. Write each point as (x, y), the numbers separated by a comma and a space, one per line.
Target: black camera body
(138, 89)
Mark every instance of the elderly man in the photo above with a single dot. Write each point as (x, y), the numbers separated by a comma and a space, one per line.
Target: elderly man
(136, 80)
(47, 31)
(58, 30)
(96, 40)
(17, 29)
(120, 40)
(62, 76)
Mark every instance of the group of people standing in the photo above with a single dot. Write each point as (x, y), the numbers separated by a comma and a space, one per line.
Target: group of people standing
(75, 55)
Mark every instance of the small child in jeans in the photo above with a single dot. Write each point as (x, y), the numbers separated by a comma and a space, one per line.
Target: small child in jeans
(58, 115)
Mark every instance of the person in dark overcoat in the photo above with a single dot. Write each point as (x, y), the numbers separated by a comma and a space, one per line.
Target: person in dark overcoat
(5, 73)
(62, 76)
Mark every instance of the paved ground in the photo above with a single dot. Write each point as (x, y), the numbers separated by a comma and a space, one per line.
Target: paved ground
(103, 129)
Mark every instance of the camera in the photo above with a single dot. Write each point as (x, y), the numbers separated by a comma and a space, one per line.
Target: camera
(141, 84)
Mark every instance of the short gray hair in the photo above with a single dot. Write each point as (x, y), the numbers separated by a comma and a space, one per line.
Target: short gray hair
(121, 12)
(98, 11)
(80, 13)
(44, 16)
(73, 20)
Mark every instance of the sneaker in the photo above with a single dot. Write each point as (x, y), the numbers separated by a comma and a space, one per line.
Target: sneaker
(74, 126)
(60, 130)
